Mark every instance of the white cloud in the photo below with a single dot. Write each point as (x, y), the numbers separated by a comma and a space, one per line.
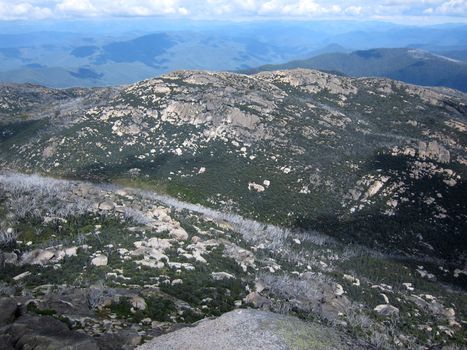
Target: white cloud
(19, 10)
(451, 7)
(228, 9)
(354, 10)
(84, 7)
(297, 8)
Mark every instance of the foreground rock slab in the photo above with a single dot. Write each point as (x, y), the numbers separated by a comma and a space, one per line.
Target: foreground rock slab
(45, 333)
(251, 329)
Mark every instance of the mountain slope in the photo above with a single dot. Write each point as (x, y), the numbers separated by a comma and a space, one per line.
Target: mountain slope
(371, 161)
(117, 264)
(408, 65)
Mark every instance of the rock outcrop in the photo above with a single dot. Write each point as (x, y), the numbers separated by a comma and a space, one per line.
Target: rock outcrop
(44, 332)
(252, 330)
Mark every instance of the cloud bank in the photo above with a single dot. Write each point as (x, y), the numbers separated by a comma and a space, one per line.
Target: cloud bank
(218, 9)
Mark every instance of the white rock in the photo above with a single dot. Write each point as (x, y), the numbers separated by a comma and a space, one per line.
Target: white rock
(38, 257)
(22, 275)
(177, 281)
(72, 251)
(138, 244)
(219, 276)
(179, 234)
(156, 255)
(259, 286)
(450, 313)
(151, 263)
(159, 243)
(425, 274)
(375, 187)
(339, 290)
(106, 206)
(202, 170)
(255, 187)
(146, 321)
(99, 260)
(408, 286)
(355, 281)
(138, 303)
(387, 310)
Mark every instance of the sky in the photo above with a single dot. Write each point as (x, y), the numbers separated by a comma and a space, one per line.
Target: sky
(396, 10)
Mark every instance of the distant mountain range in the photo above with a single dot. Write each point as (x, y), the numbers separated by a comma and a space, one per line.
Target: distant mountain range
(87, 54)
(409, 65)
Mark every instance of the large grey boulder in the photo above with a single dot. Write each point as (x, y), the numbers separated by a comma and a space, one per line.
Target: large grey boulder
(46, 333)
(37, 257)
(8, 310)
(126, 339)
(249, 329)
(5, 344)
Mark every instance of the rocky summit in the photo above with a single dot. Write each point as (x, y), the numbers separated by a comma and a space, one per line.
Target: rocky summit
(128, 213)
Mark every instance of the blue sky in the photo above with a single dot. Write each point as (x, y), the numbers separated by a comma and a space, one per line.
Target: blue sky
(426, 11)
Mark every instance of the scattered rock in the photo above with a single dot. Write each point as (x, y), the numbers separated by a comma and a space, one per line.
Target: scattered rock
(387, 310)
(8, 311)
(22, 275)
(255, 187)
(37, 257)
(408, 286)
(458, 272)
(259, 286)
(100, 260)
(355, 281)
(433, 150)
(138, 303)
(257, 300)
(424, 274)
(10, 258)
(386, 299)
(179, 234)
(339, 290)
(219, 276)
(106, 206)
(72, 251)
